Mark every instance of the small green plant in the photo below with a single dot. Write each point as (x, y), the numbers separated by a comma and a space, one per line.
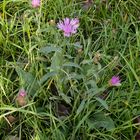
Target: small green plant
(69, 70)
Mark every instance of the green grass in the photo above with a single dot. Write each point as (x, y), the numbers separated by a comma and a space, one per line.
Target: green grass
(64, 86)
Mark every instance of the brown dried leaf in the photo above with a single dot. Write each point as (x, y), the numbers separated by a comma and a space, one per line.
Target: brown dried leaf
(11, 119)
(62, 110)
(97, 58)
(80, 51)
(137, 137)
(125, 18)
(137, 120)
(104, 1)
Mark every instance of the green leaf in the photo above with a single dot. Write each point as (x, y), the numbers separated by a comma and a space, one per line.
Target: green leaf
(103, 103)
(1, 37)
(94, 91)
(46, 50)
(77, 45)
(28, 80)
(92, 83)
(57, 61)
(75, 76)
(46, 77)
(71, 64)
(87, 61)
(65, 98)
(80, 108)
(26, 77)
(100, 120)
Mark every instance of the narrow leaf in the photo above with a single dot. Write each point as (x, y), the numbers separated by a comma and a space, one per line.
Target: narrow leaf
(65, 98)
(100, 120)
(103, 103)
(46, 50)
(80, 108)
(46, 77)
(71, 64)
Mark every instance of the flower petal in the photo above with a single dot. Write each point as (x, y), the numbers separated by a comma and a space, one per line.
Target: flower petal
(66, 21)
(74, 21)
(35, 3)
(60, 25)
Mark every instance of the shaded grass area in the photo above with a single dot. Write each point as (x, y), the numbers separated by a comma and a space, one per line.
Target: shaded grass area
(66, 79)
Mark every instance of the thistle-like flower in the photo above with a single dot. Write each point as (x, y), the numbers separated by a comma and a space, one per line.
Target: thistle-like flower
(68, 26)
(21, 97)
(35, 3)
(115, 81)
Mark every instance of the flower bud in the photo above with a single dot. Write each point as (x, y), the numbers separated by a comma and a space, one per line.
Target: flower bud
(21, 98)
(115, 81)
(35, 3)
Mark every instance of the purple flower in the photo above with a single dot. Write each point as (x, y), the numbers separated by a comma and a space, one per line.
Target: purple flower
(22, 93)
(115, 81)
(68, 26)
(21, 97)
(35, 3)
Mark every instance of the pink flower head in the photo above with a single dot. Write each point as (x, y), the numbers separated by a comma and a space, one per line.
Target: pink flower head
(115, 81)
(68, 26)
(35, 3)
(22, 93)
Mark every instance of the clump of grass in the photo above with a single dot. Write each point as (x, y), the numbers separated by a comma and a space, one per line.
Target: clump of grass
(67, 80)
